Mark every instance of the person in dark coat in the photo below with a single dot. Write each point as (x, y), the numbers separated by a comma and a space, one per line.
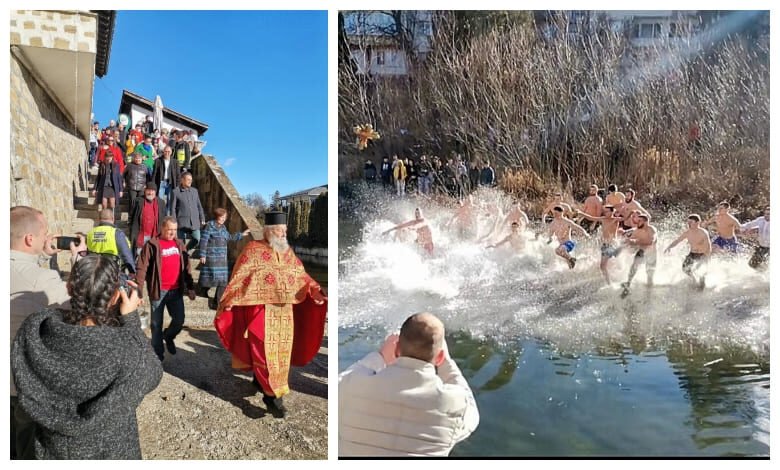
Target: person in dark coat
(146, 217)
(81, 372)
(108, 185)
(188, 211)
(166, 176)
(487, 177)
(214, 239)
(135, 178)
(369, 171)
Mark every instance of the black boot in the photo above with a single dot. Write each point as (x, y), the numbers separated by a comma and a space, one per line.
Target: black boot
(275, 406)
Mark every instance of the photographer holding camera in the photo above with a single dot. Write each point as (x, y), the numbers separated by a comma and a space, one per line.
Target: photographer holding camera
(82, 372)
(33, 288)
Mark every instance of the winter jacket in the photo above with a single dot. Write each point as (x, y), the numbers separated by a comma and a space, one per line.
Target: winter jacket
(186, 207)
(404, 409)
(148, 269)
(135, 217)
(135, 177)
(82, 385)
(159, 169)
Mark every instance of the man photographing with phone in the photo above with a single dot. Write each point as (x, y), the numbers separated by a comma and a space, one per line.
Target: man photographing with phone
(33, 288)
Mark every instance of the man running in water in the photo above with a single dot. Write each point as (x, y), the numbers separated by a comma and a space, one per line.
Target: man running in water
(761, 253)
(561, 227)
(614, 197)
(464, 219)
(515, 215)
(644, 238)
(515, 239)
(610, 246)
(424, 237)
(628, 206)
(557, 200)
(699, 241)
(726, 225)
(593, 207)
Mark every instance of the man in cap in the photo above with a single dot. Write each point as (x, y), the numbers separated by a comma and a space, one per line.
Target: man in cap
(272, 313)
(146, 217)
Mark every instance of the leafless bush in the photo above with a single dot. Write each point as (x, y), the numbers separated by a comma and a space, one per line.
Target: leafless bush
(574, 109)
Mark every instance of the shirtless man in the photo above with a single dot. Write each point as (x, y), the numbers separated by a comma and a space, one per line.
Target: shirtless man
(464, 218)
(726, 225)
(625, 209)
(644, 238)
(515, 239)
(557, 200)
(614, 197)
(699, 241)
(424, 237)
(561, 227)
(610, 246)
(593, 207)
(515, 215)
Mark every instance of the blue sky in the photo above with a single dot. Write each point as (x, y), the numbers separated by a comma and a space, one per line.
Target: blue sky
(257, 78)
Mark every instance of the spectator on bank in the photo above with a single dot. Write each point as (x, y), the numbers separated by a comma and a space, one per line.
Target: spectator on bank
(81, 372)
(369, 171)
(188, 211)
(213, 255)
(424, 175)
(474, 176)
(411, 175)
(462, 175)
(407, 399)
(386, 172)
(399, 176)
(487, 177)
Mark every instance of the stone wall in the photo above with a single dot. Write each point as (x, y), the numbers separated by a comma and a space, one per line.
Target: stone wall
(47, 155)
(65, 30)
(216, 190)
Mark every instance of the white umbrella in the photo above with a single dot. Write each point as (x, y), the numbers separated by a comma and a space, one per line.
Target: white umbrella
(158, 113)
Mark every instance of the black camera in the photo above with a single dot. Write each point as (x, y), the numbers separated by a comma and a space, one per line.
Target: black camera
(63, 243)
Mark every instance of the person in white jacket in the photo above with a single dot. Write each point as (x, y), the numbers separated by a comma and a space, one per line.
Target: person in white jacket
(407, 399)
(761, 253)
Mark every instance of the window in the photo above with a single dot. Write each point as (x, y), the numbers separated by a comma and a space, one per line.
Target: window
(648, 30)
(380, 58)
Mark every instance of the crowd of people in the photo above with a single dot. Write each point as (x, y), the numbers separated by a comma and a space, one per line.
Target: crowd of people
(430, 175)
(625, 227)
(81, 363)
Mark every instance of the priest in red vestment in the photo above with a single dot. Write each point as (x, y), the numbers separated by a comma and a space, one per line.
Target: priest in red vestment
(272, 313)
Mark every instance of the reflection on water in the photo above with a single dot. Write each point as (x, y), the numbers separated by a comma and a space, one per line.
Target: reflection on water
(560, 364)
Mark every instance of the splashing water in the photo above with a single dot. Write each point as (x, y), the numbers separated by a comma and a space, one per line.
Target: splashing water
(503, 294)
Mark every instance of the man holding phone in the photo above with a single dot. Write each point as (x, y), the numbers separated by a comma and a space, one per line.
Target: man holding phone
(33, 288)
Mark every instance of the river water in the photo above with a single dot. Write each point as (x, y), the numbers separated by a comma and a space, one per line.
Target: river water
(560, 364)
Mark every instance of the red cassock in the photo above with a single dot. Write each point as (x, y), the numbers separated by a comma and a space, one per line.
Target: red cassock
(267, 318)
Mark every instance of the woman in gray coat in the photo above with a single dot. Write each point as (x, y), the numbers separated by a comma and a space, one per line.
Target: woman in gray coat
(81, 373)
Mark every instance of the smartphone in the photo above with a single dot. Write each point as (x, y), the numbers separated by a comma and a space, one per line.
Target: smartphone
(63, 243)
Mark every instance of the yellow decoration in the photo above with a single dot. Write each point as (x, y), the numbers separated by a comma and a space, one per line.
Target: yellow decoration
(365, 133)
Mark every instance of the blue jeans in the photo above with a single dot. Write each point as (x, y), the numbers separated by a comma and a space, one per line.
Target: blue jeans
(175, 303)
(192, 235)
(165, 193)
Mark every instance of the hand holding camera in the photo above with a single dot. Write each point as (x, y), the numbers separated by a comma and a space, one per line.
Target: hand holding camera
(130, 301)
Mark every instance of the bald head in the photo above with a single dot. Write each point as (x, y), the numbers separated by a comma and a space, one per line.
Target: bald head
(107, 215)
(421, 337)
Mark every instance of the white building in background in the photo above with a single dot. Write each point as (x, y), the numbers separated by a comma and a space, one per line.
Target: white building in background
(136, 107)
(374, 39)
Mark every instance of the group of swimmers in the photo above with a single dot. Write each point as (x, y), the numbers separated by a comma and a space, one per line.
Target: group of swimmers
(624, 223)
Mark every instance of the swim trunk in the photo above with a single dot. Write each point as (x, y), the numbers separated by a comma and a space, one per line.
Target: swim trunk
(624, 226)
(569, 245)
(728, 244)
(609, 250)
(589, 225)
(690, 259)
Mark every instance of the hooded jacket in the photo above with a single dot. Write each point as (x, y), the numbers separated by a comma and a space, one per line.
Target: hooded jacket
(82, 385)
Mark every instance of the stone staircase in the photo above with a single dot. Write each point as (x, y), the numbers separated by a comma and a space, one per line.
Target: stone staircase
(198, 313)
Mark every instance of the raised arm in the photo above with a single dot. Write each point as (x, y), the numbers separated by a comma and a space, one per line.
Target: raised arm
(578, 228)
(682, 237)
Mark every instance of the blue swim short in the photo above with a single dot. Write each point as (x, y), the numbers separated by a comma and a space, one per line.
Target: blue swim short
(728, 244)
(568, 245)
